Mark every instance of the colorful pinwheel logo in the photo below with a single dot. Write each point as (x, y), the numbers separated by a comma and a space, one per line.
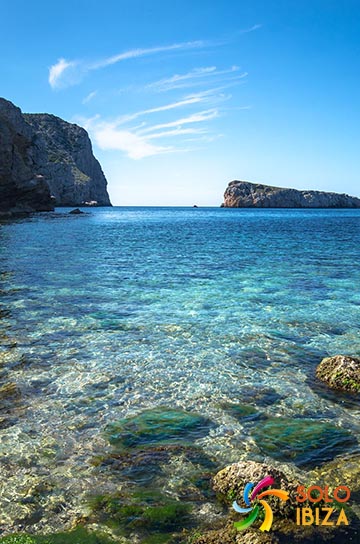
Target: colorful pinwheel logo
(254, 511)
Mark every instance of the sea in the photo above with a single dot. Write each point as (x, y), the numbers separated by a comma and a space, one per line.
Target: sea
(121, 318)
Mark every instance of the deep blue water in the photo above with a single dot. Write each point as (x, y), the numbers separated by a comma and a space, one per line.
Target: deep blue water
(122, 309)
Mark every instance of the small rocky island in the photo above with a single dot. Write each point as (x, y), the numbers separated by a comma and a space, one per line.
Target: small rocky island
(244, 194)
(46, 162)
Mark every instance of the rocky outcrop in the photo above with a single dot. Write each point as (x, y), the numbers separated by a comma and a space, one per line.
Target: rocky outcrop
(231, 481)
(229, 484)
(23, 187)
(45, 161)
(74, 175)
(340, 372)
(243, 194)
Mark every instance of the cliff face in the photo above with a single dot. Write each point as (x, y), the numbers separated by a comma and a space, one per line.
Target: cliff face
(42, 156)
(23, 188)
(243, 194)
(74, 175)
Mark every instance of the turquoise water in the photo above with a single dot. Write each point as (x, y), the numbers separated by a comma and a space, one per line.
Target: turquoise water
(125, 309)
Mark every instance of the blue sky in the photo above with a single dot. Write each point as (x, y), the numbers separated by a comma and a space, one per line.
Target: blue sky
(181, 97)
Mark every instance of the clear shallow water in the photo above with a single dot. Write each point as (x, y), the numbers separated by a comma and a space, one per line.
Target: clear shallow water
(123, 309)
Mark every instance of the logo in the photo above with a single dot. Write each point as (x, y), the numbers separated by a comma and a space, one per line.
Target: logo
(323, 514)
(253, 509)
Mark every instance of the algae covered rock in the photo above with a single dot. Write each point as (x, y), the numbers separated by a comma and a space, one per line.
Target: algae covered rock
(150, 467)
(230, 482)
(340, 372)
(228, 535)
(344, 470)
(162, 478)
(146, 513)
(241, 411)
(158, 426)
(305, 442)
(75, 536)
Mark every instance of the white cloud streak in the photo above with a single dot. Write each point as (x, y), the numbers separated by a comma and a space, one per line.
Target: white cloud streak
(176, 132)
(137, 143)
(136, 147)
(181, 103)
(195, 77)
(89, 97)
(148, 138)
(250, 29)
(141, 52)
(59, 73)
(194, 118)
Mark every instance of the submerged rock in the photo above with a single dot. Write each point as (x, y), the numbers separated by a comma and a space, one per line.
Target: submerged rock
(340, 372)
(10, 397)
(145, 467)
(158, 426)
(244, 194)
(144, 513)
(305, 442)
(344, 470)
(9, 390)
(241, 411)
(158, 481)
(260, 396)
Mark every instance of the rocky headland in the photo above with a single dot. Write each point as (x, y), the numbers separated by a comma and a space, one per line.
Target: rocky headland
(46, 162)
(23, 188)
(244, 194)
(74, 175)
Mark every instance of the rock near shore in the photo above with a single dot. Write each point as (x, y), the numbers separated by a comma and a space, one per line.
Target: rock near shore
(46, 161)
(340, 372)
(244, 194)
(23, 188)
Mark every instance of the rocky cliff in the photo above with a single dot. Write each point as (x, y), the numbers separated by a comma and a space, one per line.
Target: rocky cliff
(74, 175)
(243, 194)
(23, 188)
(42, 156)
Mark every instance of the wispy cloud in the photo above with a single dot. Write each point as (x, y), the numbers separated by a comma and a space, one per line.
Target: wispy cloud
(180, 103)
(250, 29)
(58, 71)
(211, 95)
(176, 132)
(195, 77)
(89, 97)
(198, 117)
(159, 128)
(141, 52)
(109, 137)
(137, 142)
(61, 73)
